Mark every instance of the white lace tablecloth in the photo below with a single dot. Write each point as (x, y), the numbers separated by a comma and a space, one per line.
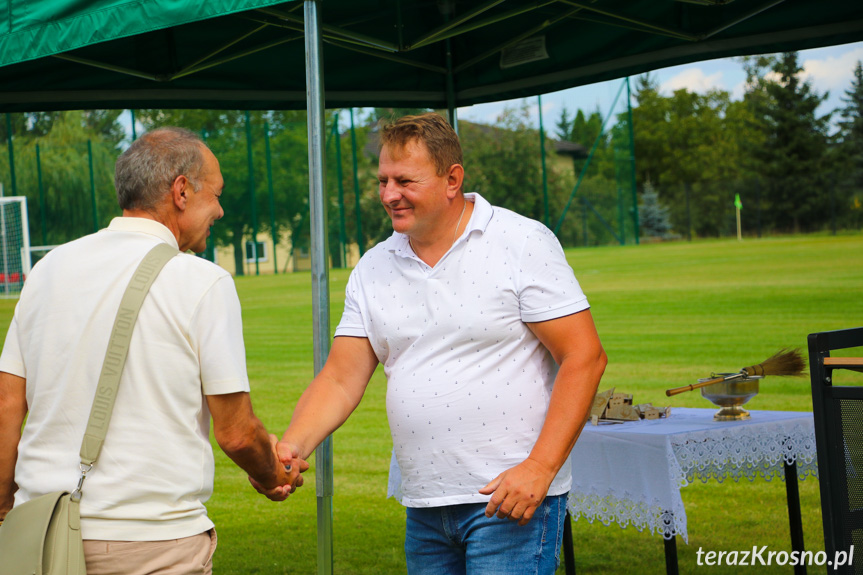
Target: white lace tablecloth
(632, 473)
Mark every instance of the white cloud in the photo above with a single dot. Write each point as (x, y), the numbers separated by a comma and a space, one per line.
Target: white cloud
(738, 90)
(549, 106)
(832, 73)
(695, 80)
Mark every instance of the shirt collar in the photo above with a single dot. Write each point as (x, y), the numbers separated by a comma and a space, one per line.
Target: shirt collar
(144, 226)
(482, 213)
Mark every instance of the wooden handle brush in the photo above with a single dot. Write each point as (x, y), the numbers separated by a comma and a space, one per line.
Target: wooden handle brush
(783, 362)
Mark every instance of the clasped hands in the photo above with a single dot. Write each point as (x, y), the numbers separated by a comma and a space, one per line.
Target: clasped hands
(291, 467)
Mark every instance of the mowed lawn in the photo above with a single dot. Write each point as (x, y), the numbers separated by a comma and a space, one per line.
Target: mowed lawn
(667, 314)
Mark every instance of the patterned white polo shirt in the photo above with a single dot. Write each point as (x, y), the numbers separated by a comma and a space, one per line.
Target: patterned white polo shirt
(468, 384)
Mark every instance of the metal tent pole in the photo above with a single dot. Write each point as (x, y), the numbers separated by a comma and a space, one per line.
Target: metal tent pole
(252, 198)
(92, 187)
(452, 114)
(9, 143)
(635, 218)
(320, 271)
(343, 235)
(271, 195)
(542, 156)
(3, 240)
(44, 226)
(359, 217)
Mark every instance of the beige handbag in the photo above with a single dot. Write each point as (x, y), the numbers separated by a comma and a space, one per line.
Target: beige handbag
(43, 535)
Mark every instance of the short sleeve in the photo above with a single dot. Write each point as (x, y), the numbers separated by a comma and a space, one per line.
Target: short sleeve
(216, 332)
(11, 360)
(351, 324)
(547, 286)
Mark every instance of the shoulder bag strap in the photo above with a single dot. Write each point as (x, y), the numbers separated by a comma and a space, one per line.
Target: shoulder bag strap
(115, 357)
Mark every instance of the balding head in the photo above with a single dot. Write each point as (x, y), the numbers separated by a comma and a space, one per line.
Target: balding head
(146, 170)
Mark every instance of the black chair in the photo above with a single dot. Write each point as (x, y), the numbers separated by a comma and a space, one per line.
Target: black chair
(838, 414)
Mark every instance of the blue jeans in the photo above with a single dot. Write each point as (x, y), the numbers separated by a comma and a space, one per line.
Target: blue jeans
(460, 539)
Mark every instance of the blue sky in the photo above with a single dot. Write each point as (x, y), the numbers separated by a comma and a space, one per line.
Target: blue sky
(827, 69)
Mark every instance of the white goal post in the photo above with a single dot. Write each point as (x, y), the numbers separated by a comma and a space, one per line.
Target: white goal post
(14, 245)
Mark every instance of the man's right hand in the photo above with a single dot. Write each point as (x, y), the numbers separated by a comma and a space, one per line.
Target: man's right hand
(289, 455)
(291, 478)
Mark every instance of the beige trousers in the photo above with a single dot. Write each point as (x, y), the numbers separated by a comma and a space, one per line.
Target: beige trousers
(186, 556)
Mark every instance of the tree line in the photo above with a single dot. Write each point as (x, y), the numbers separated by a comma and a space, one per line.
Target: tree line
(794, 170)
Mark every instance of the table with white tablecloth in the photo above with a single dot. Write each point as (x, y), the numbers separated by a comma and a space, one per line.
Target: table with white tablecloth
(631, 473)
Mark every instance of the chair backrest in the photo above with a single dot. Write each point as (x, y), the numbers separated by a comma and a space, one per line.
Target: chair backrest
(838, 414)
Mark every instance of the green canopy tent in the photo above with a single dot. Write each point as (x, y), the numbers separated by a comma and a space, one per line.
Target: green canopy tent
(241, 54)
(270, 54)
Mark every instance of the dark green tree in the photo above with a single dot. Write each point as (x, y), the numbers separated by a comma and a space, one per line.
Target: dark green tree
(792, 158)
(851, 112)
(849, 153)
(582, 129)
(563, 126)
(585, 129)
(651, 116)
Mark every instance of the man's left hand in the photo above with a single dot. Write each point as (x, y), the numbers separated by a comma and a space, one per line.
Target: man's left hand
(518, 491)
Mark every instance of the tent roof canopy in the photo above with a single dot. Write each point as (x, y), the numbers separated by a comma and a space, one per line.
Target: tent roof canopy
(249, 54)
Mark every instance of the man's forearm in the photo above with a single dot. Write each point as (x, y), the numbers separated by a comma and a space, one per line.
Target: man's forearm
(13, 407)
(253, 452)
(321, 410)
(568, 410)
(333, 394)
(243, 438)
(574, 344)
(8, 457)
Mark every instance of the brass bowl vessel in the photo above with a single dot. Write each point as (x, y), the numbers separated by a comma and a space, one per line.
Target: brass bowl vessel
(731, 394)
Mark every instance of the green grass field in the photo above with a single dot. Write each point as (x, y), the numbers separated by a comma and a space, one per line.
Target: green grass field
(667, 315)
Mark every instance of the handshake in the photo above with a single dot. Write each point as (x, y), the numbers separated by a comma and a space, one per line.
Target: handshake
(288, 473)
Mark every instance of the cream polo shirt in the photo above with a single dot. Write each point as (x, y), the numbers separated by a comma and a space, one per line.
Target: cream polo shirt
(468, 384)
(156, 468)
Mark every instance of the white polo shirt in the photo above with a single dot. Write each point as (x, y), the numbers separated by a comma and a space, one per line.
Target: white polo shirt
(468, 384)
(156, 468)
